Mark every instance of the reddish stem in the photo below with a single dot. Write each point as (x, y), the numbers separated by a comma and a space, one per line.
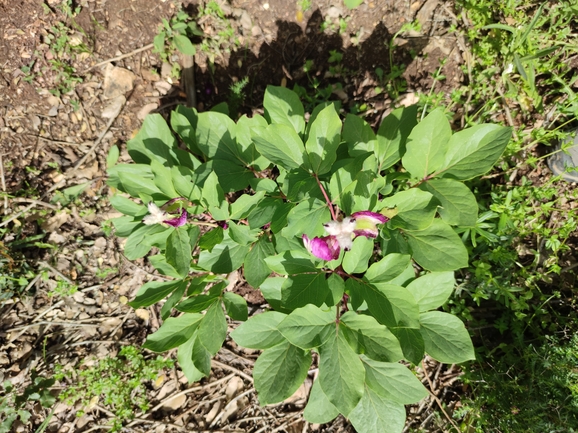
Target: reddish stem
(329, 204)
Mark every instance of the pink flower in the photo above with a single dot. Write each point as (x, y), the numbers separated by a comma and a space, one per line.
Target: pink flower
(366, 223)
(178, 221)
(342, 233)
(157, 215)
(326, 248)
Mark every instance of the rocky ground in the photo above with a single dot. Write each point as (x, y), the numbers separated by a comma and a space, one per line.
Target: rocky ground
(79, 77)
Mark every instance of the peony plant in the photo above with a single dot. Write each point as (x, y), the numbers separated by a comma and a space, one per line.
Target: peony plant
(349, 235)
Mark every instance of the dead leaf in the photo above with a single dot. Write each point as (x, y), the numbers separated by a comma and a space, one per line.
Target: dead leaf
(55, 222)
(175, 403)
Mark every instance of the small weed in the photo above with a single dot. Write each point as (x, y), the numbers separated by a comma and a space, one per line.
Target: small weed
(304, 5)
(237, 95)
(116, 382)
(104, 273)
(533, 389)
(13, 407)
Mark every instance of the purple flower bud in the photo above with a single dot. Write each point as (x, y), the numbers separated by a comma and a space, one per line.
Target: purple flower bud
(179, 221)
(325, 248)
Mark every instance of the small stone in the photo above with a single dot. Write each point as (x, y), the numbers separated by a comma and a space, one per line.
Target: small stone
(113, 108)
(334, 12)
(56, 238)
(142, 314)
(117, 82)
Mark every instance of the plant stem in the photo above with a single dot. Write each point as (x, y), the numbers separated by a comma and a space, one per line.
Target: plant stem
(329, 204)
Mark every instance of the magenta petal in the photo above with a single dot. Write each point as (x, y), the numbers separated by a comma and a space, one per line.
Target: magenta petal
(326, 248)
(177, 222)
(373, 217)
(368, 233)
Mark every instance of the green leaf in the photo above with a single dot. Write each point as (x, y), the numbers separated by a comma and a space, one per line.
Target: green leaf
(358, 135)
(352, 186)
(308, 327)
(242, 234)
(416, 209)
(432, 290)
(139, 243)
(214, 198)
(300, 185)
(249, 152)
(446, 338)
(337, 288)
(213, 328)
(154, 141)
(153, 292)
(393, 381)
(282, 106)
(271, 290)
(392, 135)
(185, 358)
(356, 260)
(281, 145)
(184, 180)
(173, 332)
(127, 206)
(352, 4)
(319, 409)
(260, 331)
(307, 218)
(178, 251)
(279, 371)
(388, 268)
(438, 248)
(243, 206)
(411, 343)
(112, 156)
(211, 238)
(224, 257)
(367, 336)
(236, 306)
(198, 303)
(427, 145)
(233, 176)
(201, 357)
(215, 137)
(323, 140)
(300, 290)
(341, 373)
(377, 414)
(175, 297)
(458, 205)
(163, 179)
(184, 45)
(280, 217)
(184, 123)
(263, 212)
(474, 151)
(404, 307)
(159, 262)
(291, 263)
(255, 267)
(135, 186)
